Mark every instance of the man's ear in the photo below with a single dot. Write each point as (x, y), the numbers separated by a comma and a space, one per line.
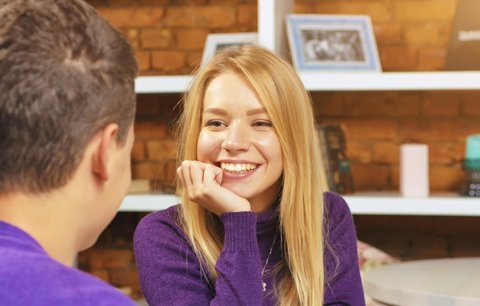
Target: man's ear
(106, 142)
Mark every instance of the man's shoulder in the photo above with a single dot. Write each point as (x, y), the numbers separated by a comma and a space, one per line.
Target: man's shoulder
(36, 279)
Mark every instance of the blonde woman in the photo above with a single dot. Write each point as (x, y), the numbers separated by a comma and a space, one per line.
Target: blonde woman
(254, 226)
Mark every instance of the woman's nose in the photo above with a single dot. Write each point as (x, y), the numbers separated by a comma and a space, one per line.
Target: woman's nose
(236, 138)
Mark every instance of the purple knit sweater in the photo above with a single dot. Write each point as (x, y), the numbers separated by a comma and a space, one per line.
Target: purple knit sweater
(30, 277)
(170, 273)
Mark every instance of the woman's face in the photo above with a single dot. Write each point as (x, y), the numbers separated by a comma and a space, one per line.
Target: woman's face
(238, 136)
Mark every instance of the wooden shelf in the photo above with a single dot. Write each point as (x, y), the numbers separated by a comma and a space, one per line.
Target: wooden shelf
(360, 204)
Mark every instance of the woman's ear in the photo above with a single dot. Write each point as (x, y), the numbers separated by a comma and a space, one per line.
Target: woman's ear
(106, 143)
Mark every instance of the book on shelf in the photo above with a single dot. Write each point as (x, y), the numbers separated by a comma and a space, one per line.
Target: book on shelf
(464, 49)
(336, 163)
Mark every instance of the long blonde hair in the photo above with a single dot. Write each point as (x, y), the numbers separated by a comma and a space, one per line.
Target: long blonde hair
(289, 107)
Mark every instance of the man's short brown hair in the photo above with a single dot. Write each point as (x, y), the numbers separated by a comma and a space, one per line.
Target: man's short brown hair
(65, 74)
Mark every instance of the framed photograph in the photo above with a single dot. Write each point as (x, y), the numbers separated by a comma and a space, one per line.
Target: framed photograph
(216, 42)
(332, 43)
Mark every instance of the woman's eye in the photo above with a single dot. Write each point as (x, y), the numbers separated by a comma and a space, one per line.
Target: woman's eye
(263, 123)
(214, 123)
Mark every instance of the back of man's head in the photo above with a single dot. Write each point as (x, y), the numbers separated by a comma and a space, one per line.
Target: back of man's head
(64, 75)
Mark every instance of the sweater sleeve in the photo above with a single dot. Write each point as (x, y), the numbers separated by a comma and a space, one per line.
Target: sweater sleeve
(343, 285)
(171, 274)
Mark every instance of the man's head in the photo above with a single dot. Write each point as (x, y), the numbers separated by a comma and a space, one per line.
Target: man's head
(65, 74)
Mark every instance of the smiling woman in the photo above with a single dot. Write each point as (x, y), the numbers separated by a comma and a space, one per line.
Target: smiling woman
(237, 133)
(255, 226)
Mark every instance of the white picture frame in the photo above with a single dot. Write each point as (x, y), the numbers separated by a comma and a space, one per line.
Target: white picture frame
(218, 41)
(332, 43)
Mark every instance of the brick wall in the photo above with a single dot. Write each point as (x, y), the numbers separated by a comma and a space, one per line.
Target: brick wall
(412, 35)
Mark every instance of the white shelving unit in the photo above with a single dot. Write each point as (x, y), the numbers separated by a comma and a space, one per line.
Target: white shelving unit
(162, 84)
(360, 204)
(341, 81)
(271, 33)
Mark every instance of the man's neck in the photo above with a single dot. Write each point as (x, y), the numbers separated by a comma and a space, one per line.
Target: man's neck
(43, 218)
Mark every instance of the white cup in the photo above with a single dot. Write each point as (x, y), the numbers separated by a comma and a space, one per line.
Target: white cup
(414, 181)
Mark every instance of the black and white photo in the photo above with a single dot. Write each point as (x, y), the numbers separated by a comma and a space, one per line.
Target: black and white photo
(332, 42)
(218, 41)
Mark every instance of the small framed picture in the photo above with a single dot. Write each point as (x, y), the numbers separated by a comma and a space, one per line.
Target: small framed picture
(216, 42)
(332, 43)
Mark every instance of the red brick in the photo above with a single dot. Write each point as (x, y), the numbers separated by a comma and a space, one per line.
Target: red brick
(194, 59)
(200, 17)
(161, 150)
(144, 60)
(386, 152)
(138, 151)
(247, 14)
(431, 59)
(156, 38)
(327, 104)
(168, 60)
(361, 152)
(398, 58)
(471, 103)
(446, 178)
(151, 2)
(433, 130)
(191, 39)
(225, 1)
(424, 10)
(392, 104)
(441, 104)
(133, 17)
(372, 129)
(378, 10)
(368, 177)
(388, 34)
(445, 153)
(132, 36)
(420, 35)
(147, 171)
(302, 8)
(153, 105)
(150, 130)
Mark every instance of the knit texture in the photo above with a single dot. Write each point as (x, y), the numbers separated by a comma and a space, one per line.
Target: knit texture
(171, 274)
(29, 277)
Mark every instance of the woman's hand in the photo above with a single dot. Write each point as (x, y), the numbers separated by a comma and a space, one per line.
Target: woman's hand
(203, 183)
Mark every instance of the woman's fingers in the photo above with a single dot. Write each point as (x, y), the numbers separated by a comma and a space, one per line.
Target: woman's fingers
(203, 185)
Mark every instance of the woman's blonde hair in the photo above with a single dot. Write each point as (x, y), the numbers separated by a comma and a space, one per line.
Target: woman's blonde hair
(289, 107)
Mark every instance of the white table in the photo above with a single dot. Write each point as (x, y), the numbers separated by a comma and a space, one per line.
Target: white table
(435, 282)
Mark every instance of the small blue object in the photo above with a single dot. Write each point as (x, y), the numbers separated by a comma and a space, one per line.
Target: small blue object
(472, 151)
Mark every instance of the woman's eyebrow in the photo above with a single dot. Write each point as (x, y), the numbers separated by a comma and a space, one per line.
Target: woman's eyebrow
(214, 110)
(256, 111)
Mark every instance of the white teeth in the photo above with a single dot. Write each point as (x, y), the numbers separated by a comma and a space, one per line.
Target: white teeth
(237, 168)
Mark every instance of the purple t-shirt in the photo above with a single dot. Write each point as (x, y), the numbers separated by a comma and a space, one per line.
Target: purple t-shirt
(30, 277)
(170, 273)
